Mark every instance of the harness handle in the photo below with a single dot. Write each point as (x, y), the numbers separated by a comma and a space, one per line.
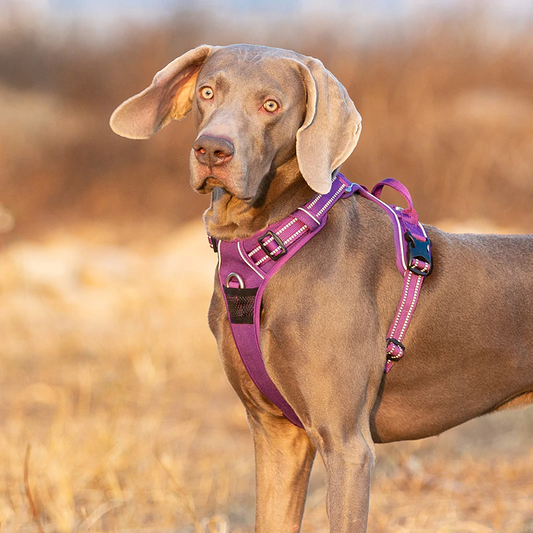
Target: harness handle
(410, 213)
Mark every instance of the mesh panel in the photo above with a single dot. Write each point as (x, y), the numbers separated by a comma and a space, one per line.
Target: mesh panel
(240, 304)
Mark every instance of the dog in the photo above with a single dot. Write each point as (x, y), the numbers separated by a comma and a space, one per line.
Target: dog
(273, 127)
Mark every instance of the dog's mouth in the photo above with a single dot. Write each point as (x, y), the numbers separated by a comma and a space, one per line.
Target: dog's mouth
(211, 182)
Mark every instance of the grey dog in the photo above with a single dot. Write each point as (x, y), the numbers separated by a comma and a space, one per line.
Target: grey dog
(273, 127)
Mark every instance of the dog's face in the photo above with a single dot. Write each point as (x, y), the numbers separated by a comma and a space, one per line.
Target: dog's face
(255, 108)
(247, 109)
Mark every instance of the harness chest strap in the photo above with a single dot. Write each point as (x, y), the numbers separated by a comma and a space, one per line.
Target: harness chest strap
(245, 267)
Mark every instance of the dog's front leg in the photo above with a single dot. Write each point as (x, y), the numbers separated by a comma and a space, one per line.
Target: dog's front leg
(348, 469)
(284, 453)
(348, 461)
(337, 423)
(283, 458)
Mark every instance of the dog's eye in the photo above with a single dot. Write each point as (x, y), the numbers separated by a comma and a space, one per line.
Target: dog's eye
(270, 106)
(207, 93)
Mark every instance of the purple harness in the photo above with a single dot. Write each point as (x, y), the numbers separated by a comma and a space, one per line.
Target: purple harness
(246, 266)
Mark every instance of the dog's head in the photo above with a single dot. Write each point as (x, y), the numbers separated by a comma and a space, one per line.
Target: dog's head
(255, 108)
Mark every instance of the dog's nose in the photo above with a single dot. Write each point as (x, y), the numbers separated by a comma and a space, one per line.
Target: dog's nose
(213, 151)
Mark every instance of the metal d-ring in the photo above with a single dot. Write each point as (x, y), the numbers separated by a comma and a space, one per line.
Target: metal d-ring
(232, 275)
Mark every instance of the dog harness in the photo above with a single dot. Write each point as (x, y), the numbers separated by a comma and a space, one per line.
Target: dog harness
(245, 267)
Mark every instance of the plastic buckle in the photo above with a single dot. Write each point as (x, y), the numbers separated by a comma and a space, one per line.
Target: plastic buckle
(351, 188)
(418, 250)
(277, 240)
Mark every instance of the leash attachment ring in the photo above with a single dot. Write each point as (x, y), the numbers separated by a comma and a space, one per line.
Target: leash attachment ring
(240, 302)
(238, 277)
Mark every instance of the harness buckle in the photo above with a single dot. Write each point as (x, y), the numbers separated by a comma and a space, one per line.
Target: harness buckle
(277, 240)
(418, 251)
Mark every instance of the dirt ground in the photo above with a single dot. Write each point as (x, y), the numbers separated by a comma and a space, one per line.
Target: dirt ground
(115, 414)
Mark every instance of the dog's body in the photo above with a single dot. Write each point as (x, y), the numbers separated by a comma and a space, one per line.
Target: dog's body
(272, 128)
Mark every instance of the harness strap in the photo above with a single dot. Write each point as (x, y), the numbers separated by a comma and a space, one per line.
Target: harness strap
(246, 266)
(402, 319)
(413, 260)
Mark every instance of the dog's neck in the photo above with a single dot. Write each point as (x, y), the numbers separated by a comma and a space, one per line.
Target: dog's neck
(279, 194)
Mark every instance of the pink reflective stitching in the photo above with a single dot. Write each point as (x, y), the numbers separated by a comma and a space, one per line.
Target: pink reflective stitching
(294, 235)
(332, 199)
(412, 306)
(313, 202)
(291, 238)
(402, 305)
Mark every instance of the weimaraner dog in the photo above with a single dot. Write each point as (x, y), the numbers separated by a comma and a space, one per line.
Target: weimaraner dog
(273, 127)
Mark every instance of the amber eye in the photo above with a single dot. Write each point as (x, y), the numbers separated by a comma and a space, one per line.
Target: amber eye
(207, 93)
(270, 106)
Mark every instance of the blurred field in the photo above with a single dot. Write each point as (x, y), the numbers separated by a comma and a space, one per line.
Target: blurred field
(110, 374)
(447, 108)
(114, 413)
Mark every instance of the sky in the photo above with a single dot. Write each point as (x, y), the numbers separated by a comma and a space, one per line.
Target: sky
(160, 7)
(109, 12)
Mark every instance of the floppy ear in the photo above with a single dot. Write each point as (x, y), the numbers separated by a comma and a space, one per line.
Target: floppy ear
(331, 127)
(168, 97)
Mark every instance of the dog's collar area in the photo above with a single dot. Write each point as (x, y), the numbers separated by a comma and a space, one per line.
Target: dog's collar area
(245, 267)
(269, 246)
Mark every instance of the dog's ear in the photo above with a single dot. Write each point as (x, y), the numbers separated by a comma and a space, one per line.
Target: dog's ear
(331, 127)
(168, 97)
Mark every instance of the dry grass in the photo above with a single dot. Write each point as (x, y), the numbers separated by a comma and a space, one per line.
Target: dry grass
(110, 374)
